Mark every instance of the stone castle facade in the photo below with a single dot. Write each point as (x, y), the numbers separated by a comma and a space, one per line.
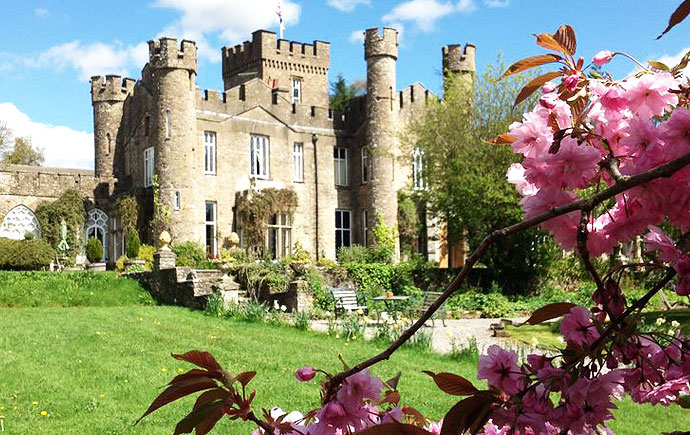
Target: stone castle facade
(271, 127)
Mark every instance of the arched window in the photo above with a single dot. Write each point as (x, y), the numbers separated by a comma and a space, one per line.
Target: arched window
(97, 226)
(19, 222)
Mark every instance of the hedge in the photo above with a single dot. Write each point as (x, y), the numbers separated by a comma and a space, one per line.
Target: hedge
(25, 254)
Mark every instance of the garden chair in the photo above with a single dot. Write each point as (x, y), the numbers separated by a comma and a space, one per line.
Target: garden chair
(429, 298)
(346, 300)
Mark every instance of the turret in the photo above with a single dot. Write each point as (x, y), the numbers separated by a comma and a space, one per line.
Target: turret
(174, 134)
(381, 53)
(458, 61)
(108, 95)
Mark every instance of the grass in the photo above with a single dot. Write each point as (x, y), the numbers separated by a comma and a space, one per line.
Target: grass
(69, 289)
(96, 369)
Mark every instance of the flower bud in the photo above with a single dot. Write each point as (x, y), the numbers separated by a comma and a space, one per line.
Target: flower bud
(602, 58)
(305, 374)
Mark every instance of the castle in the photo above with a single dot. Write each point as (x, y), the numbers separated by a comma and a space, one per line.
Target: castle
(271, 127)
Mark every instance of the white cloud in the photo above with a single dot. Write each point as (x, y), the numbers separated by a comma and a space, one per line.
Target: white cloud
(62, 146)
(41, 12)
(357, 37)
(347, 5)
(93, 59)
(467, 6)
(497, 3)
(423, 12)
(673, 60)
(231, 20)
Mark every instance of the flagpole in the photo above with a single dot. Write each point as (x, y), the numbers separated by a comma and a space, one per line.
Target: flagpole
(280, 18)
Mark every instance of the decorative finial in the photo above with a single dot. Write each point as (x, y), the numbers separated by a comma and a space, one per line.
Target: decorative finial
(164, 239)
(234, 239)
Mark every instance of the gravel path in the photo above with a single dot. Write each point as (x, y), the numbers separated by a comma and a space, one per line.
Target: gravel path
(458, 332)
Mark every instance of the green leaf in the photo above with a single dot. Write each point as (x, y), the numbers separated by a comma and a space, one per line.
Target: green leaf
(659, 65)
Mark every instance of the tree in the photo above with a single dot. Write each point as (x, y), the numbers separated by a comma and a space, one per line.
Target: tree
(24, 153)
(341, 93)
(5, 138)
(465, 179)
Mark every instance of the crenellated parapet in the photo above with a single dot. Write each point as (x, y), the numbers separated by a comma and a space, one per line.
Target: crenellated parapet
(111, 88)
(165, 53)
(457, 59)
(381, 43)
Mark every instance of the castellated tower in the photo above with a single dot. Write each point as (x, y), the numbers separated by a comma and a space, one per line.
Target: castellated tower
(459, 61)
(381, 53)
(108, 95)
(173, 73)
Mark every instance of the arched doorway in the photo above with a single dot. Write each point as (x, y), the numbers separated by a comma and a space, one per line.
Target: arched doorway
(19, 222)
(97, 226)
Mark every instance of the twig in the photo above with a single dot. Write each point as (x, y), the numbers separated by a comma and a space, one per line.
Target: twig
(582, 235)
(584, 205)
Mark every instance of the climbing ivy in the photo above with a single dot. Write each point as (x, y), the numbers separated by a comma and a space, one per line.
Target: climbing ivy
(128, 210)
(70, 207)
(255, 208)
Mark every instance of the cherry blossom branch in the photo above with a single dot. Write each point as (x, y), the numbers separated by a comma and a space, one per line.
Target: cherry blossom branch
(583, 205)
(612, 166)
(582, 234)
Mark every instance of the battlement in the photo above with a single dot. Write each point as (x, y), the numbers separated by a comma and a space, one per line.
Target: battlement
(457, 59)
(111, 88)
(164, 53)
(383, 43)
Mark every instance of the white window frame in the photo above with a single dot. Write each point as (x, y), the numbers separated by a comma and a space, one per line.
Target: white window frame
(283, 235)
(340, 162)
(149, 156)
(298, 161)
(342, 230)
(366, 164)
(296, 90)
(418, 169)
(168, 124)
(214, 224)
(259, 156)
(365, 227)
(176, 200)
(210, 140)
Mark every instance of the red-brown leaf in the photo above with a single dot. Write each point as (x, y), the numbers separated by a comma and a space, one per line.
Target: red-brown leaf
(682, 64)
(202, 419)
(211, 396)
(468, 414)
(677, 17)
(178, 390)
(550, 311)
(245, 377)
(201, 359)
(565, 35)
(531, 62)
(502, 139)
(394, 429)
(533, 85)
(393, 382)
(547, 40)
(453, 384)
(195, 373)
(392, 397)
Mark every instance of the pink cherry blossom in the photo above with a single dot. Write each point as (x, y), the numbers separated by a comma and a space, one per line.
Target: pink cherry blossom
(571, 82)
(577, 327)
(649, 95)
(602, 58)
(305, 374)
(656, 240)
(676, 130)
(516, 176)
(499, 368)
(533, 136)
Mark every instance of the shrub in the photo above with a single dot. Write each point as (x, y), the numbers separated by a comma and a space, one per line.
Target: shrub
(353, 254)
(322, 298)
(25, 254)
(94, 250)
(190, 254)
(70, 207)
(133, 243)
(384, 242)
(146, 253)
(215, 305)
(302, 320)
(120, 263)
(234, 255)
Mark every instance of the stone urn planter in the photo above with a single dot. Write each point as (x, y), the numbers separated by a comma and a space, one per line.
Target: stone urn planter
(96, 267)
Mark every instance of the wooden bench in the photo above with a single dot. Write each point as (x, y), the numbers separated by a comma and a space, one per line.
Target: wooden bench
(346, 300)
(430, 298)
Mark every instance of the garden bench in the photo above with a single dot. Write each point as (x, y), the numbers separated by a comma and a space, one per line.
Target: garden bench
(347, 300)
(430, 298)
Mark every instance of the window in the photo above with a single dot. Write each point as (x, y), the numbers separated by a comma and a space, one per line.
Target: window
(148, 166)
(296, 90)
(176, 201)
(340, 159)
(147, 126)
(298, 162)
(417, 169)
(211, 232)
(365, 228)
(19, 222)
(167, 124)
(258, 156)
(279, 238)
(365, 164)
(209, 152)
(97, 227)
(342, 228)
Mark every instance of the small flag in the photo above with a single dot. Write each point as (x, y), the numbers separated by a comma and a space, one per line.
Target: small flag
(280, 17)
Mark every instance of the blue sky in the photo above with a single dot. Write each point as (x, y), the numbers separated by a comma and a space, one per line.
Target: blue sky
(51, 47)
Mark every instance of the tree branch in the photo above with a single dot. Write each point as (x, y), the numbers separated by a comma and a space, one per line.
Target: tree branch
(583, 205)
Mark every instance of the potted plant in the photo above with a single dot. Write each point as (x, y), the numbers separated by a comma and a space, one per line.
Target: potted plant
(133, 244)
(94, 253)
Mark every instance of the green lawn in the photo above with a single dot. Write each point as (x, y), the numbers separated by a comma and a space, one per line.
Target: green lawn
(94, 370)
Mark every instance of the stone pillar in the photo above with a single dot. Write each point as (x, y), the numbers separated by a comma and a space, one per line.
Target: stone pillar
(164, 258)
